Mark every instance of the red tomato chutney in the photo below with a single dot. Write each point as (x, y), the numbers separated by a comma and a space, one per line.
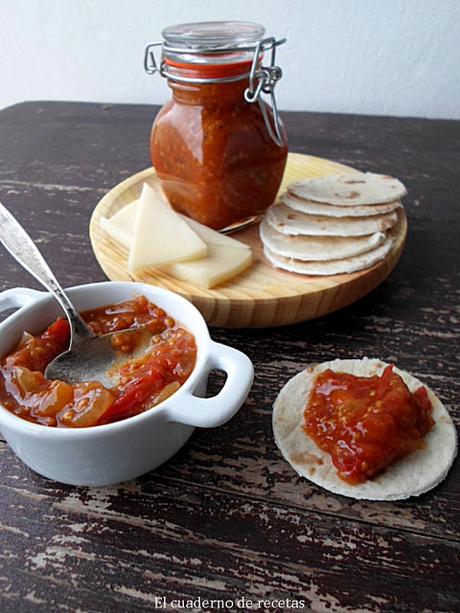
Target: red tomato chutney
(366, 423)
(143, 382)
(213, 155)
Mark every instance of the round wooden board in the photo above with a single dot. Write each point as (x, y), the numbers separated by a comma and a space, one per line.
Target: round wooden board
(261, 296)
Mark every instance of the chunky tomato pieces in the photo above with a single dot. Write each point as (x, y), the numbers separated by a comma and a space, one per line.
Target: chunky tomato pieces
(142, 382)
(366, 423)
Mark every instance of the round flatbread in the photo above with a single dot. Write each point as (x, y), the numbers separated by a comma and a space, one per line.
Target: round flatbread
(317, 248)
(332, 267)
(350, 189)
(414, 474)
(329, 210)
(286, 220)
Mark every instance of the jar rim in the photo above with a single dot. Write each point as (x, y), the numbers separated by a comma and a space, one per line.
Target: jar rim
(208, 71)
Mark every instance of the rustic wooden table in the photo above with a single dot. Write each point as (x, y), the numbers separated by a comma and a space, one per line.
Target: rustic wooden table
(227, 518)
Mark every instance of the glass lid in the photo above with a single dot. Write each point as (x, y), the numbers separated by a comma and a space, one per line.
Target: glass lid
(213, 34)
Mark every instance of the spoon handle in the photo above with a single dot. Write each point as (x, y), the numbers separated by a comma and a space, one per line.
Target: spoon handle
(16, 240)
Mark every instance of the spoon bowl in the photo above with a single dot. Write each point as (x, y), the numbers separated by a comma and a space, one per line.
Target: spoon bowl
(96, 359)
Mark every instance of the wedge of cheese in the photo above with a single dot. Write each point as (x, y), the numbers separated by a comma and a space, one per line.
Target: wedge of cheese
(225, 258)
(161, 236)
(121, 228)
(221, 263)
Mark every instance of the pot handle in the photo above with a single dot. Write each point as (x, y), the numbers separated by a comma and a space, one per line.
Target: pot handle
(215, 411)
(18, 297)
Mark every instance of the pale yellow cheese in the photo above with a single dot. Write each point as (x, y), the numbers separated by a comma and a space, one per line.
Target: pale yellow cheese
(161, 236)
(226, 257)
(121, 225)
(222, 263)
(121, 228)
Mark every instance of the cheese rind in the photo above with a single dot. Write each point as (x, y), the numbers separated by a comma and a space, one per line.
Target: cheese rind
(161, 236)
(222, 263)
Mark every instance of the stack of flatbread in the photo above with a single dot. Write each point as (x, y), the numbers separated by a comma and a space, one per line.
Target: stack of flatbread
(334, 224)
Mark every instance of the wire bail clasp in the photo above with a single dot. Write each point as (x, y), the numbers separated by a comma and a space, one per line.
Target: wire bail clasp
(263, 79)
(150, 63)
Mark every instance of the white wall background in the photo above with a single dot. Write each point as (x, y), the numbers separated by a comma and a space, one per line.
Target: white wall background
(385, 57)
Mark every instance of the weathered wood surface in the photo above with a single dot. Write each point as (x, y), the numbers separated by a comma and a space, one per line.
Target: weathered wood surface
(227, 517)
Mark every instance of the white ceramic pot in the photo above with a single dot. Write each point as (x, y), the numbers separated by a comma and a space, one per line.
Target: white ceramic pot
(101, 455)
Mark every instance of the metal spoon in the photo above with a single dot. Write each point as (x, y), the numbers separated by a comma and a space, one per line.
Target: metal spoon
(89, 357)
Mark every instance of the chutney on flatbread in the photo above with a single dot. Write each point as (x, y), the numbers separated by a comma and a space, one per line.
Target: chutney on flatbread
(413, 474)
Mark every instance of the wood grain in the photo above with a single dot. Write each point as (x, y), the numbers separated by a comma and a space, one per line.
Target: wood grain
(262, 295)
(227, 516)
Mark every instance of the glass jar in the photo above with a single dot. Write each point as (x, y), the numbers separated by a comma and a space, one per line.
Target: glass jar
(218, 148)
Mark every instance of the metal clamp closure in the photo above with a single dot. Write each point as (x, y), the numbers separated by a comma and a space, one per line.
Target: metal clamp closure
(150, 64)
(262, 79)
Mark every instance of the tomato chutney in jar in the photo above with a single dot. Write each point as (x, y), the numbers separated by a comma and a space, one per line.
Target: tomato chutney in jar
(218, 148)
